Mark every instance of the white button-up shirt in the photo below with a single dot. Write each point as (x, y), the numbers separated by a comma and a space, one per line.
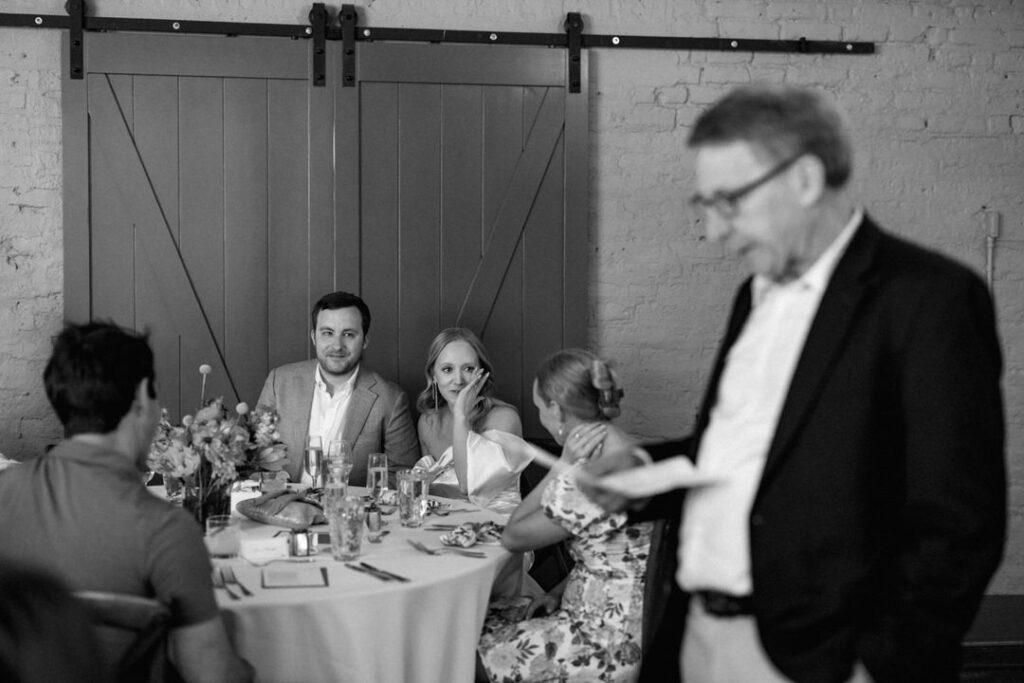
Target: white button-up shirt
(327, 416)
(714, 540)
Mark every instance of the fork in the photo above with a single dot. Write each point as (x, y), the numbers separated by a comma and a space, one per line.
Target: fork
(229, 577)
(218, 582)
(438, 551)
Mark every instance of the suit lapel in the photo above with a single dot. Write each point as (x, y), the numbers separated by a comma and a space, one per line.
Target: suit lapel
(359, 406)
(837, 312)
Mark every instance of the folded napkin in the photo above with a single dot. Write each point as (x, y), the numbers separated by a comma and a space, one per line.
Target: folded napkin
(292, 510)
(434, 467)
(470, 533)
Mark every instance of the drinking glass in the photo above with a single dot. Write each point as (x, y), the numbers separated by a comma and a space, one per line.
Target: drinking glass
(411, 497)
(377, 475)
(223, 536)
(345, 521)
(314, 462)
(339, 460)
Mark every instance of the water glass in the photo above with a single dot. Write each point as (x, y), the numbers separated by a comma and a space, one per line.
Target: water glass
(339, 461)
(411, 497)
(346, 524)
(223, 536)
(377, 475)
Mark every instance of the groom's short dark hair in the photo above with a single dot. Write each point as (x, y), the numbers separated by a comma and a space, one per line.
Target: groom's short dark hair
(336, 300)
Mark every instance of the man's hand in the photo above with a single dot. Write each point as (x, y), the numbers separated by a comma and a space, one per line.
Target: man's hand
(611, 462)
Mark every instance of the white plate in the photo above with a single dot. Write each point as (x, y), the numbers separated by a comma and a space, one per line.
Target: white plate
(665, 475)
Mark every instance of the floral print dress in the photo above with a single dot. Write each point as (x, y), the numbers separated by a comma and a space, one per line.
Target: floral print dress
(595, 634)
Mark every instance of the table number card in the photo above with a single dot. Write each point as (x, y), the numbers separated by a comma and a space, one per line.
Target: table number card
(264, 549)
(295, 577)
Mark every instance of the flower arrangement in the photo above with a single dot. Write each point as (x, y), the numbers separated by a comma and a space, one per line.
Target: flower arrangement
(212, 449)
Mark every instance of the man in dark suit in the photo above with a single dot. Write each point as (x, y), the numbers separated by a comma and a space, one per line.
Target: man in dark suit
(854, 418)
(334, 397)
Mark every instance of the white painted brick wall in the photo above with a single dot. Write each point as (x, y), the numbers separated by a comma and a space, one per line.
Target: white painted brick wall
(937, 114)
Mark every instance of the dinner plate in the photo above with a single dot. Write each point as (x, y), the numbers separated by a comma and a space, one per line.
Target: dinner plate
(665, 475)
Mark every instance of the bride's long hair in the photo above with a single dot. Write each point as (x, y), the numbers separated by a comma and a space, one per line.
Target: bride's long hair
(429, 399)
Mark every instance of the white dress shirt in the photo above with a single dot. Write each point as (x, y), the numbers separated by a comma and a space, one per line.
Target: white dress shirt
(327, 415)
(714, 540)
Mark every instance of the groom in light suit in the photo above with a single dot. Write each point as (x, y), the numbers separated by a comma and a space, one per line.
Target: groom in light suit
(853, 418)
(335, 397)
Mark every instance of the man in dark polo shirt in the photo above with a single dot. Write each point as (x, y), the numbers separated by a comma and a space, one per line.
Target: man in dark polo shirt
(81, 510)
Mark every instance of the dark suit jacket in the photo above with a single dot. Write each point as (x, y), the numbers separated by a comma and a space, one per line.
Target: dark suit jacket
(377, 419)
(880, 516)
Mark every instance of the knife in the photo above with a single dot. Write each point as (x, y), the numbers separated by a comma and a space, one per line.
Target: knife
(382, 572)
(356, 568)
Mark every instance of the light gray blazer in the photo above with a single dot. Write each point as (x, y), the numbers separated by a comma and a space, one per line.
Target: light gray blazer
(377, 419)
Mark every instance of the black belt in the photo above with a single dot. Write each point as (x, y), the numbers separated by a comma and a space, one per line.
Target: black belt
(725, 605)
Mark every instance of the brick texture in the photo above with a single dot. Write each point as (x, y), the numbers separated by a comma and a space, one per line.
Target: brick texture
(937, 114)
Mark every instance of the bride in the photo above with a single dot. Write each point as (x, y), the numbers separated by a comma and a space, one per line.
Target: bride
(471, 440)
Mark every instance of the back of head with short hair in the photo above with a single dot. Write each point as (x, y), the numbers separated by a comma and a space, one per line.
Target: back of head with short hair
(780, 121)
(580, 383)
(336, 300)
(92, 375)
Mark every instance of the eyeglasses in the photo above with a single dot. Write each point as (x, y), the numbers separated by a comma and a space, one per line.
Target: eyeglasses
(726, 202)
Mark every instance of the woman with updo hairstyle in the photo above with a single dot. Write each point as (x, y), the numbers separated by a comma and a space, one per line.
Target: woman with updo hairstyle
(587, 627)
(471, 441)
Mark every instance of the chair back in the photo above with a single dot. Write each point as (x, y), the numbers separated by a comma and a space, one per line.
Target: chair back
(133, 633)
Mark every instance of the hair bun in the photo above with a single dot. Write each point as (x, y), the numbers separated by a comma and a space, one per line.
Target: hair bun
(607, 384)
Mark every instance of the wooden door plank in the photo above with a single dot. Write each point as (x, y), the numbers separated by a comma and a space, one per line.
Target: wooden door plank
(194, 55)
(201, 231)
(319, 152)
(419, 160)
(379, 246)
(462, 174)
(576, 174)
(112, 250)
(503, 140)
(511, 218)
(543, 276)
(156, 249)
(347, 164)
(510, 65)
(288, 301)
(75, 137)
(245, 233)
(156, 133)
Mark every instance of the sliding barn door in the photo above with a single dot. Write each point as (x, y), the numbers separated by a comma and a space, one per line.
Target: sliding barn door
(212, 195)
(463, 196)
(198, 203)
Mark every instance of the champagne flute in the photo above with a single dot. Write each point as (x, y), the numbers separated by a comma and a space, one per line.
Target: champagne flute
(377, 475)
(314, 460)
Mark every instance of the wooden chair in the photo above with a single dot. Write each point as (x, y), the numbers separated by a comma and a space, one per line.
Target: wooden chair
(132, 631)
(551, 564)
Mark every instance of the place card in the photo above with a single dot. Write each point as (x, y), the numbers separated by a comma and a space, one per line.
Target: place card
(264, 549)
(295, 577)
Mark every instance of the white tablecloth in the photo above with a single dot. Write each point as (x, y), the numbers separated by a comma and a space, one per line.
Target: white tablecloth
(364, 630)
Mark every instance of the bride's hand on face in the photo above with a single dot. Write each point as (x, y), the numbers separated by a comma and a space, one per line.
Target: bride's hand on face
(583, 442)
(468, 394)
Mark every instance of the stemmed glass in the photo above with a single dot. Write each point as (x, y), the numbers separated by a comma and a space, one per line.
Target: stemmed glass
(314, 461)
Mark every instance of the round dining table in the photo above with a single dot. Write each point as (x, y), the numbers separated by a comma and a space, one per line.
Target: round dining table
(358, 627)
